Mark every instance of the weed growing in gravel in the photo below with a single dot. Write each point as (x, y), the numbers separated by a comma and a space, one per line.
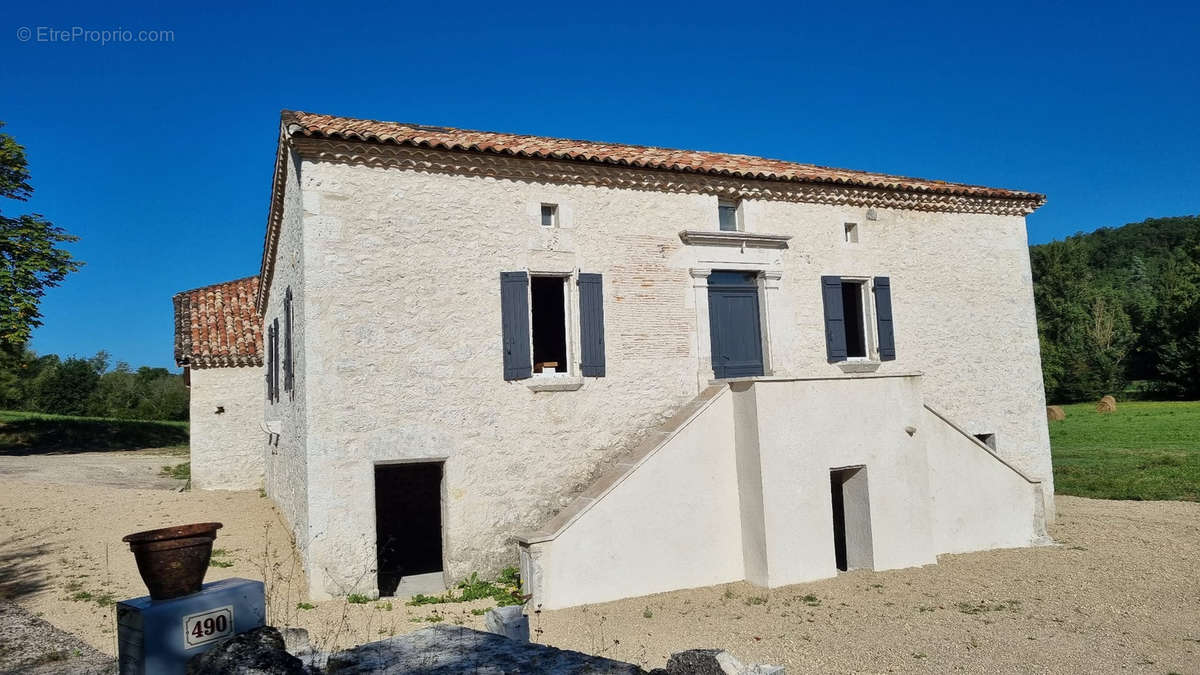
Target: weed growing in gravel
(218, 558)
(505, 590)
(101, 599)
(982, 606)
(479, 611)
(179, 471)
(385, 606)
(305, 605)
(647, 614)
(811, 600)
(357, 599)
(755, 600)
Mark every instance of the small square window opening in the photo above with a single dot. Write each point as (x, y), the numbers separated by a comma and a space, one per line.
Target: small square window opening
(549, 215)
(727, 215)
(851, 233)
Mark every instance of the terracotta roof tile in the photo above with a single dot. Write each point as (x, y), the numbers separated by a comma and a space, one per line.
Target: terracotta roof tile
(217, 326)
(686, 161)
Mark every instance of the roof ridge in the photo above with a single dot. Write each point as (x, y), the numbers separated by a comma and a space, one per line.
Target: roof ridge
(222, 283)
(780, 166)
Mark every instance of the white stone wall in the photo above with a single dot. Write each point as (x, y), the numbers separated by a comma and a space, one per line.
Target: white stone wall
(226, 446)
(403, 337)
(979, 503)
(286, 462)
(673, 523)
(742, 491)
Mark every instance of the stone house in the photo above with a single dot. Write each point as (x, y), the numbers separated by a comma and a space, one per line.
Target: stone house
(218, 343)
(636, 369)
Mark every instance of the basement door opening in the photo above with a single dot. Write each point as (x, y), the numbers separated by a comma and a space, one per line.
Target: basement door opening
(408, 523)
(851, 518)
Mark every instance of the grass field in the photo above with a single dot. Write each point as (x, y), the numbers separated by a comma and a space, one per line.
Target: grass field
(26, 433)
(1145, 450)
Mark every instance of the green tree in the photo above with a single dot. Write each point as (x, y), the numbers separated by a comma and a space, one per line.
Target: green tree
(1120, 304)
(64, 388)
(31, 259)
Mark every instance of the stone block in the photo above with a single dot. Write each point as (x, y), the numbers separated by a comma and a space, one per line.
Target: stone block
(507, 621)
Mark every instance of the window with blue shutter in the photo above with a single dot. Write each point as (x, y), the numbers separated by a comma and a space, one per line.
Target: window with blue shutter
(883, 319)
(275, 358)
(288, 364)
(514, 318)
(591, 324)
(835, 318)
(267, 360)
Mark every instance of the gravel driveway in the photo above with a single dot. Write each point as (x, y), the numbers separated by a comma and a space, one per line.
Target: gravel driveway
(134, 469)
(1120, 593)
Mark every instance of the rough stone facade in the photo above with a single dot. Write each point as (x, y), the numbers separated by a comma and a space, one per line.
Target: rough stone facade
(225, 437)
(287, 480)
(395, 267)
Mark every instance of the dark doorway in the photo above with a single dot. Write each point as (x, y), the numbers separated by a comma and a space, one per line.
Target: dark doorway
(839, 520)
(549, 323)
(733, 322)
(852, 547)
(408, 521)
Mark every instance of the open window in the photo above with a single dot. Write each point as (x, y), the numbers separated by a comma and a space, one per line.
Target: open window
(849, 312)
(537, 324)
(854, 308)
(548, 324)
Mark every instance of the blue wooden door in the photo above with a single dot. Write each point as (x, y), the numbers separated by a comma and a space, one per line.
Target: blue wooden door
(733, 324)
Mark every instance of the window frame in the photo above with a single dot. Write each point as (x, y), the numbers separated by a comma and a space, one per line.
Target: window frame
(570, 328)
(554, 220)
(867, 303)
(289, 364)
(738, 220)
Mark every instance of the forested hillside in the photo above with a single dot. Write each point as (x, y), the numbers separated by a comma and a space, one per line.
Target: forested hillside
(87, 386)
(1120, 305)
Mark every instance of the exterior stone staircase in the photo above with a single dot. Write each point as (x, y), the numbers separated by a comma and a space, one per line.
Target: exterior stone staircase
(625, 464)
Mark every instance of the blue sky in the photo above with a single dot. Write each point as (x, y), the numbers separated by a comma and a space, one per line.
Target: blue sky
(159, 155)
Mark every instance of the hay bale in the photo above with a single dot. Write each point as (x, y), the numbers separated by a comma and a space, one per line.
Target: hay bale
(1108, 404)
(1055, 413)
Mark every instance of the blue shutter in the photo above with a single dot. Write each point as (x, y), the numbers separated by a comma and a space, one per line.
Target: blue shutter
(514, 317)
(591, 324)
(267, 361)
(288, 366)
(835, 319)
(275, 358)
(883, 318)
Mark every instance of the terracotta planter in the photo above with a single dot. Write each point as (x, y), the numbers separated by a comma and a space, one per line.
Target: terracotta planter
(173, 560)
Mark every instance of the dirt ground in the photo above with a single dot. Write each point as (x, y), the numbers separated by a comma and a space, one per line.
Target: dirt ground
(129, 469)
(1120, 593)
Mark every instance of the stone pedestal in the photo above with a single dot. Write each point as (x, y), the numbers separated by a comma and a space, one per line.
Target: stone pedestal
(160, 636)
